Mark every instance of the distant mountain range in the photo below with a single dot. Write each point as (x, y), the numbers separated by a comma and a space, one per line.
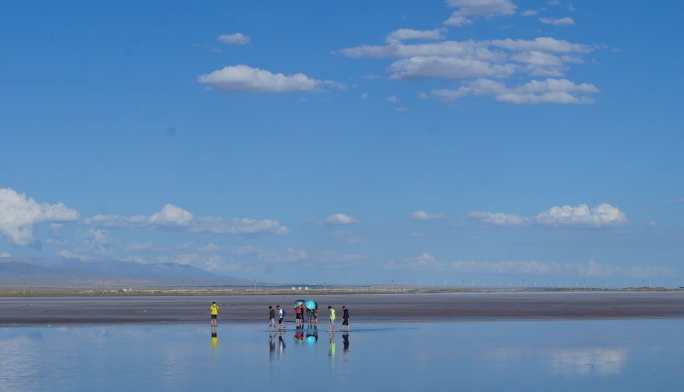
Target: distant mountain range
(97, 273)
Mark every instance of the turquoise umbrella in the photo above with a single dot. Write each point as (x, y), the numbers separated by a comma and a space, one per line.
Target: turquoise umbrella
(311, 305)
(298, 303)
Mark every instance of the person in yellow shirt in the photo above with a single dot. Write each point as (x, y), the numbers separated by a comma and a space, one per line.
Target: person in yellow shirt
(214, 313)
(331, 323)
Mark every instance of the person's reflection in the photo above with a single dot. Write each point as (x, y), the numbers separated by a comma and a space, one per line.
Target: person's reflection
(271, 344)
(214, 340)
(331, 348)
(281, 343)
(345, 342)
(299, 337)
(311, 336)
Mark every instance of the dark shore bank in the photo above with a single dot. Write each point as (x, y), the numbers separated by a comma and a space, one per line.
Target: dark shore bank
(364, 307)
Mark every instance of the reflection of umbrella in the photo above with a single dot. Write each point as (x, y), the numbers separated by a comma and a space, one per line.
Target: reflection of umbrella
(311, 305)
(298, 303)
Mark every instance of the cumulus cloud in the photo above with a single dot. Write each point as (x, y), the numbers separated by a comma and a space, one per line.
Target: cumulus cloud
(422, 215)
(471, 60)
(5, 254)
(400, 35)
(19, 214)
(602, 215)
(172, 218)
(234, 39)
(529, 13)
(468, 10)
(555, 91)
(339, 219)
(567, 21)
(589, 269)
(499, 219)
(245, 79)
(392, 99)
(448, 68)
(544, 44)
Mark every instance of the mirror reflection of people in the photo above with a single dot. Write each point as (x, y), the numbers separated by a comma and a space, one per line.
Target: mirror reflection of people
(214, 340)
(214, 314)
(345, 342)
(331, 347)
(281, 343)
(345, 319)
(271, 343)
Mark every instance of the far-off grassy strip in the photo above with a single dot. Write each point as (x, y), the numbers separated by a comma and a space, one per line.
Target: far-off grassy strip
(38, 291)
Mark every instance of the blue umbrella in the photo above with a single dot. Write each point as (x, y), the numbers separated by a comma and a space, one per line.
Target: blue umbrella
(311, 305)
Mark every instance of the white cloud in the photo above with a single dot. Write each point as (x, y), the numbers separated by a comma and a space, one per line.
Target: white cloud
(461, 49)
(448, 68)
(67, 254)
(469, 60)
(172, 218)
(422, 215)
(653, 224)
(400, 35)
(364, 96)
(571, 7)
(544, 44)
(556, 91)
(468, 9)
(567, 21)
(234, 39)
(553, 2)
(392, 99)
(602, 215)
(97, 240)
(347, 236)
(19, 214)
(589, 269)
(422, 95)
(498, 218)
(245, 79)
(5, 254)
(401, 109)
(529, 13)
(339, 219)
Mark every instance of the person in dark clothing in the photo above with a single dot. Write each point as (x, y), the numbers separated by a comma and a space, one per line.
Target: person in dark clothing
(271, 319)
(345, 319)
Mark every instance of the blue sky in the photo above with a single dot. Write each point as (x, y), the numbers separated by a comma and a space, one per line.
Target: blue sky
(347, 141)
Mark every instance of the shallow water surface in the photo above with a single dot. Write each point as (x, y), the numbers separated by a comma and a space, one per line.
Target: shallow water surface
(467, 356)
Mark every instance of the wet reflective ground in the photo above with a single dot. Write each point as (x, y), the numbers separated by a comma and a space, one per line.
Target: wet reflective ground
(636, 355)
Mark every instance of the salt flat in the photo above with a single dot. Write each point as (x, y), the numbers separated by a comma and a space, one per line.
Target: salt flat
(363, 307)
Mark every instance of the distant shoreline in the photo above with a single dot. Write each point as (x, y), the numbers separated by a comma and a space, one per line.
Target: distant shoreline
(33, 291)
(376, 307)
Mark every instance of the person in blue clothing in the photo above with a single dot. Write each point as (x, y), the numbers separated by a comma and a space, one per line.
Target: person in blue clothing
(345, 319)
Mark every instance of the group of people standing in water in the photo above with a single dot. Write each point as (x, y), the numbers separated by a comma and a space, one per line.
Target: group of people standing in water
(303, 316)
